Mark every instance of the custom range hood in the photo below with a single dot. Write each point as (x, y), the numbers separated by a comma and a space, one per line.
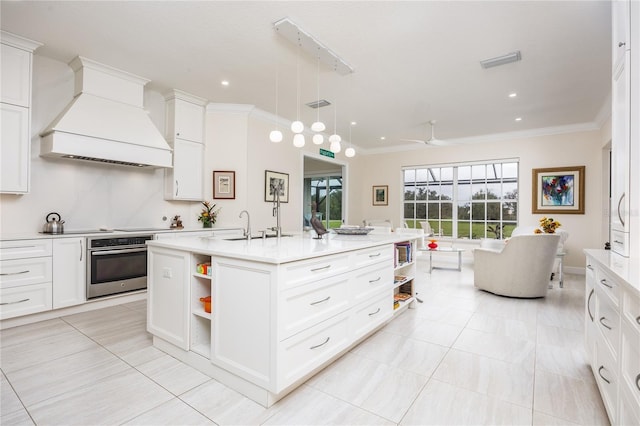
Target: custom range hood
(105, 122)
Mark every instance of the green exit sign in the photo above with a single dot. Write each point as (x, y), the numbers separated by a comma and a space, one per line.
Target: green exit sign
(327, 153)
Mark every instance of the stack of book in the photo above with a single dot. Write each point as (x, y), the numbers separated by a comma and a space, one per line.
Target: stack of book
(403, 253)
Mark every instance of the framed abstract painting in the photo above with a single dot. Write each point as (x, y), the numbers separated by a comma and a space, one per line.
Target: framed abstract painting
(558, 190)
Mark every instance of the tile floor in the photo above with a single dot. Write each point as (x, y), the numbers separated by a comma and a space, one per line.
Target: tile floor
(462, 357)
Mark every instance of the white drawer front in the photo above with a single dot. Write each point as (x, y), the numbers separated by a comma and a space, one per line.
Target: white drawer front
(608, 286)
(17, 301)
(631, 310)
(21, 272)
(19, 249)
(371, 280)
(608, 322)
(605, 373)
(371, 315)
(374, 256)
(311, 348)
(297, 273)
(620, 242)
(630, 361)
(304, 306)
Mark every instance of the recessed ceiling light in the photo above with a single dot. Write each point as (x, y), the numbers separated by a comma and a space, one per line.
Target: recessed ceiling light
(382, 138)
(224, 82)
(353, 123)
(518, 118)
(513, 94)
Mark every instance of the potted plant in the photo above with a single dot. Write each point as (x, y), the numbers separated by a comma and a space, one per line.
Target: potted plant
(208, 215)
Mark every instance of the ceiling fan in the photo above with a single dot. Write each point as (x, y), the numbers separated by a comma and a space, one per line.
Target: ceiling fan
(432, 140)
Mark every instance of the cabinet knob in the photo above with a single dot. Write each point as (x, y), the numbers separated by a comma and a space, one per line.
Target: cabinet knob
(600, 374)
(622, 43)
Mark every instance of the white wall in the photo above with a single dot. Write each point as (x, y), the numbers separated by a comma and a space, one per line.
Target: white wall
(573, 149)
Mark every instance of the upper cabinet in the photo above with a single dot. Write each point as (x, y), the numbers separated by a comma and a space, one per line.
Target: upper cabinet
(185, 134)
(625, 129)
(15, 109)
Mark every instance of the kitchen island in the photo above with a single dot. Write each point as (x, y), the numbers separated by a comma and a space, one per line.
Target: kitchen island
(282, 308)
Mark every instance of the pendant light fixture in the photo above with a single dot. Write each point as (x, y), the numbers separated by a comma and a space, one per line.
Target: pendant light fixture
(276, 135)
(350, 152)
(297, 127)
(318, 126)
(335, 138)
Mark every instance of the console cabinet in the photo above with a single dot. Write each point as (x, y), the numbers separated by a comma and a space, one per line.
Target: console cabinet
(612, 335)
(15, 112)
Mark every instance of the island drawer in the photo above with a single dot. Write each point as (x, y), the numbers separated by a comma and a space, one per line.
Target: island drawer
(19, 272)
(24, 300)
(370, 280)
(374, 256)
(608, 321)
(608, 286)
(370, 315)
(304, 271)
(19, 249)
(304, 306)
(310, 349)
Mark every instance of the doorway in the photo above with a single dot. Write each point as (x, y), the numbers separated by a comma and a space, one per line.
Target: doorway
(324, 188)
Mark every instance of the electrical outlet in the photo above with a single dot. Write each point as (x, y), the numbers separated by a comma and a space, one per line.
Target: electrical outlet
(167, 273)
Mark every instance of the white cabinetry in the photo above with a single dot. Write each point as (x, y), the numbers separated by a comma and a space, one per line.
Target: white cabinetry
(25, 277)
(69, 272)
(168, 297)
(625, 129)
(15, 97)
(185, 133)
(612, 338)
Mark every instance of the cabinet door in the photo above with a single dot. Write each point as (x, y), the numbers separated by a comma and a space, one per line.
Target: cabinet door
(69, 272)
(189, 121)
(185, 180)
(621, 21)
(620, 148)
(168, 296)
(16, 76)
(14, 173)
(590, 312)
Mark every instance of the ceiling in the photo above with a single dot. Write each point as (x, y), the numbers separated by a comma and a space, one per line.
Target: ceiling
(413, 61)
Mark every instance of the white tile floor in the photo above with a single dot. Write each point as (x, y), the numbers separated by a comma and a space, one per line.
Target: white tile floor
(462, 357)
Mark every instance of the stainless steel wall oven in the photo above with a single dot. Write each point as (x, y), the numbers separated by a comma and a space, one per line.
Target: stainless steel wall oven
(116, 264)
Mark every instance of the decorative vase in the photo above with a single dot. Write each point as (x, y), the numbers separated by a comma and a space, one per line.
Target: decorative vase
(207, 224)
(432, 245)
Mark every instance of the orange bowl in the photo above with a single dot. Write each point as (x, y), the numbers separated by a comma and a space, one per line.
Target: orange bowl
(206, 301)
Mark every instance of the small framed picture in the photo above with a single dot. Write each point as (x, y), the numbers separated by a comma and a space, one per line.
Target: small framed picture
(276, 182)
(558, 190)
(381, 195)
(224, 185)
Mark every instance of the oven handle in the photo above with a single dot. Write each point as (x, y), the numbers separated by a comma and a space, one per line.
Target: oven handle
(106, 252)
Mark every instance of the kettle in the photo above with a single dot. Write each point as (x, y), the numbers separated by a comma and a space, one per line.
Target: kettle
(54, 225)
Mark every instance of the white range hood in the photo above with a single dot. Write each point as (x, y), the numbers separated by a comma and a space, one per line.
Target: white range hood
(106, 122)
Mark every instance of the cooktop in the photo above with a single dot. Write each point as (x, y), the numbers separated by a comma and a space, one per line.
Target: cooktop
(140, 229)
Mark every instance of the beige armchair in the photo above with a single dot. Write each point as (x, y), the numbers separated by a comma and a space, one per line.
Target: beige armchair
(521, 269)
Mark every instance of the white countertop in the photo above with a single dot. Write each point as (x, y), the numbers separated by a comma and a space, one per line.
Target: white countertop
(112, 233)
(627, 269)
(282, 250)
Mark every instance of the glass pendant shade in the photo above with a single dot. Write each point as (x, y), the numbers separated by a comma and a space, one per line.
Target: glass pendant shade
(335, 138)
(298, 140)
(350, 152)
(335, 147)
(318, 139)
(297, 127)
(318, 126)
(275, 136)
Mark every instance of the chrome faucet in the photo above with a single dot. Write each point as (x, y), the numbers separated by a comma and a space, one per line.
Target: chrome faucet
(247, 232)
(276, 188)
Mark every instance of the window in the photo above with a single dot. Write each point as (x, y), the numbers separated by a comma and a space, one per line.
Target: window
(465, 200)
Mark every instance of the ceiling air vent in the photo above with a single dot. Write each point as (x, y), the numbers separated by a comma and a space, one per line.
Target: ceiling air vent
(318, 104)
(501, 60)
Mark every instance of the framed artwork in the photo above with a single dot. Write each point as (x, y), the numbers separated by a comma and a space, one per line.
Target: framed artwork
(381, 195)
(224, 184)
(276, 181)
(558, 190)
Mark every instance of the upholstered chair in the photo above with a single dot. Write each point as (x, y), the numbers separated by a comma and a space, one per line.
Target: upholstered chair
(521, 269)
